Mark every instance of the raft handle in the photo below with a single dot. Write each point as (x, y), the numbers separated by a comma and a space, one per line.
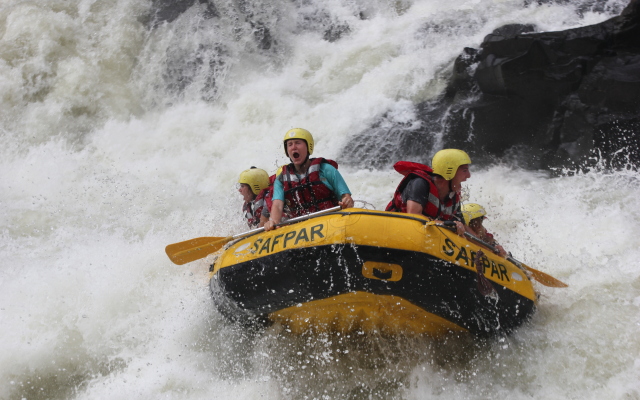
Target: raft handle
(382, 271)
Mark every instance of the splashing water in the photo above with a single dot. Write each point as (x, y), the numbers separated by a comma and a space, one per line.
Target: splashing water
(120, 136)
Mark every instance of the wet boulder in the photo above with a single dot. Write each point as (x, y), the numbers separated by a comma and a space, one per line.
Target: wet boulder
(543, 100)
(551, 99)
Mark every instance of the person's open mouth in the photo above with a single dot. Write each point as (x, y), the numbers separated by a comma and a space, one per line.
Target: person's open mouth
(296, 154)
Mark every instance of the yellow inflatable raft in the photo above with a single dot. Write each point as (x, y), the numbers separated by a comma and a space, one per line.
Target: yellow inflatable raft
(368, 270)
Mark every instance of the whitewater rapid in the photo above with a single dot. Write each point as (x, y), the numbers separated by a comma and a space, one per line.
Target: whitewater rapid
(106, 157)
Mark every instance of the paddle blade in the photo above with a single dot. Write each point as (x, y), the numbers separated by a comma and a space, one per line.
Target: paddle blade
(544, 279)
(195, 249)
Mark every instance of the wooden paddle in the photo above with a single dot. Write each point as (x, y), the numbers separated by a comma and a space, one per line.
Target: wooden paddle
(539, 276)
(195, 249)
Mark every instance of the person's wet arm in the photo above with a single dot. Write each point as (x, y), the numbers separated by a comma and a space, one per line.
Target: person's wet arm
(333, 179)
(415, 195)
(277, 206)
(263, 220)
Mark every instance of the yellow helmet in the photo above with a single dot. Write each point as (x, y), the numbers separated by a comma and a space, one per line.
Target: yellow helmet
(256, 178)
(446, 162)
(298, 133)
(472, 211)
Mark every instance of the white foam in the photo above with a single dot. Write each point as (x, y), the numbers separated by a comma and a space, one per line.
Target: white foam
(102, 166)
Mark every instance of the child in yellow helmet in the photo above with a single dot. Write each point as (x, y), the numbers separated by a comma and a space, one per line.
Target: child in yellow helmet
(253, 182)
(474, 214)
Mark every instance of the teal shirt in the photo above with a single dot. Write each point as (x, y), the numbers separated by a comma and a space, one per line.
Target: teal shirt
(328, 175)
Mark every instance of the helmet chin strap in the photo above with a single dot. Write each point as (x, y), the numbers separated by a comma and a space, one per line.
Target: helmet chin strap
(304, 163)
(451, 191)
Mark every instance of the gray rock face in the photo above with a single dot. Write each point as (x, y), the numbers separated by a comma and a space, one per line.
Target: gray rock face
(544, 100)
(560, 96)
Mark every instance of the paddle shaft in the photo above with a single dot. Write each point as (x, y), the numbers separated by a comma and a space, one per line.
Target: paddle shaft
(184, 252)
(287, 222)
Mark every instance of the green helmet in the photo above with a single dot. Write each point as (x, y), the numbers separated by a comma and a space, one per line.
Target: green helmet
(298, 133)
(256, 178)
(446, 162)
(472, 211)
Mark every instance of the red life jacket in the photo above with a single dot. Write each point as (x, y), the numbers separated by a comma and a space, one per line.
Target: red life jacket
(265, 198)
(306, 194)
(254, 210)
(433, 209)
(252, 217)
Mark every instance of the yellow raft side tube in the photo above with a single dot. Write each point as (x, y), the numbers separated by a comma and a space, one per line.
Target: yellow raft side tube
(384, 231)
